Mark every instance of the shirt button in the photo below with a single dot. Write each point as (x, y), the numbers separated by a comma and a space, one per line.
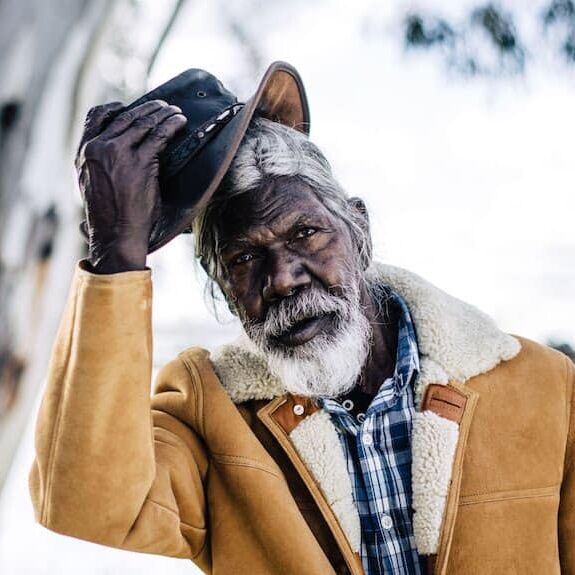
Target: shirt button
(386, 522)
(347, 404)
(367, 439)
(298, 409)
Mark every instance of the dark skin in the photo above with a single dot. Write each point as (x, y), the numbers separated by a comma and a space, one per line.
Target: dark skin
(274, 243)
(281, 240)
(118, 169)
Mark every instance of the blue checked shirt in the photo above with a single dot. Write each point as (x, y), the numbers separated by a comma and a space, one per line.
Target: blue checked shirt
(377, 445)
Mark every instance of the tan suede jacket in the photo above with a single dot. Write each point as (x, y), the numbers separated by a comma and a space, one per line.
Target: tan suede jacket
(219, 467)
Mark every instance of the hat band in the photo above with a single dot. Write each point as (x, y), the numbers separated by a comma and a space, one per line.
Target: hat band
(196, 140)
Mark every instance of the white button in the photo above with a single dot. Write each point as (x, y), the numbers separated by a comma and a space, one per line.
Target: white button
(361, 417)
(386, 522)
(367, 439)
(347, 404)
(298, 409)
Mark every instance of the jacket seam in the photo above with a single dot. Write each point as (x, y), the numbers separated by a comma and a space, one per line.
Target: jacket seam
(552, 491)
(196, 555)
(157, 439)
(105, 280)
(452, 499)
(240, 461)
(512, 491)
(55, 432)
(497, 499)
(569, 455)
(198, 395)
(309, 480)
(177, 514)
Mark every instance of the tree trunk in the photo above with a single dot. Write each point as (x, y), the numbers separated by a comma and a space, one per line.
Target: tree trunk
(57, 59)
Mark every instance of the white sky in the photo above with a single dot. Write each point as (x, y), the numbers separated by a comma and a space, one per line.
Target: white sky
(469, 183)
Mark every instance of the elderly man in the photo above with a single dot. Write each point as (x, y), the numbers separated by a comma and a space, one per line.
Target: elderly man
(366, 422)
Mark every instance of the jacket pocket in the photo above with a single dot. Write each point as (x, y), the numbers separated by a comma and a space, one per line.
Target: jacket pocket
(242, 461)
(494, 496)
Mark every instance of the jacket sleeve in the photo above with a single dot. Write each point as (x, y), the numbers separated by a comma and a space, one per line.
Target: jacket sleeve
(111, 466)
(567, 506)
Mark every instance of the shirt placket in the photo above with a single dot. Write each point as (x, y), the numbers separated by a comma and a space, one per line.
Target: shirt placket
(370, 454)
(380, 488)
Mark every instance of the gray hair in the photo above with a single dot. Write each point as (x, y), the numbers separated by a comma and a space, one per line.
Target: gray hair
(270, 151)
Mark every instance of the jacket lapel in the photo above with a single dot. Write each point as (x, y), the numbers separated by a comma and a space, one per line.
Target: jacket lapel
(313, 446)
(456, 342)
(439, 437)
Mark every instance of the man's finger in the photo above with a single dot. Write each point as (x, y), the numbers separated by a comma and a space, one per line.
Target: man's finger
(124, 120)
(159, 137)
(98, 118)
(84, 230)
(142, 126)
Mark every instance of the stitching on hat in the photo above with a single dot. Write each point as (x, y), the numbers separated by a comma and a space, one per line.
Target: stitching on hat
(182, 153)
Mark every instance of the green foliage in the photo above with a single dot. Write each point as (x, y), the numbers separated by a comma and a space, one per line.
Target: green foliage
(487, 41)
(559, 18)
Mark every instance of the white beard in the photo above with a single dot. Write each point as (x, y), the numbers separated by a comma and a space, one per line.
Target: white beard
(331, 369)
(327, 366)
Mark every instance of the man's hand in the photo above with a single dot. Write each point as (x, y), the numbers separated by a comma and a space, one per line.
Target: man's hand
(118, 168)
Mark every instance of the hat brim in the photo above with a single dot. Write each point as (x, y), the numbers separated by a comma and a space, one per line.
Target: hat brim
(281, 98)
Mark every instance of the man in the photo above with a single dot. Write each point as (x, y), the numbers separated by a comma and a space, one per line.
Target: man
(366, 423)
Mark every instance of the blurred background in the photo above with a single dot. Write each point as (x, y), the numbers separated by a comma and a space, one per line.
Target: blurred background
(454, 120)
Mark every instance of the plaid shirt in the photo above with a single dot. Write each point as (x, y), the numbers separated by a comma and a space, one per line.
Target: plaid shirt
(377, 445)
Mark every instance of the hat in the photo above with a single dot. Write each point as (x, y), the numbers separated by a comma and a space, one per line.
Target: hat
(196, 160)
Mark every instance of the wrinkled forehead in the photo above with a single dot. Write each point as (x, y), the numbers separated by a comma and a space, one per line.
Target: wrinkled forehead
(272, 205)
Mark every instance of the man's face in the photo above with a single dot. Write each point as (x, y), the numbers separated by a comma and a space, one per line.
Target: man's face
(278, 242)
(293, 274)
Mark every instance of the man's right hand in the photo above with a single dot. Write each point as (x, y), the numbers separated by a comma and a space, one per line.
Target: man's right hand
(118, 168)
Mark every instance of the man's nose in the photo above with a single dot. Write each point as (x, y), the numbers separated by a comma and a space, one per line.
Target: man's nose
(285, 277)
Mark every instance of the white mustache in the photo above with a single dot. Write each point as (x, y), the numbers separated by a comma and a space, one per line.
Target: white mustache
(326, 366)
(288, 312)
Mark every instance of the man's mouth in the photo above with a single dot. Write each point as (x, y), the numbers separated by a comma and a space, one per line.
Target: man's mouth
(305, 330)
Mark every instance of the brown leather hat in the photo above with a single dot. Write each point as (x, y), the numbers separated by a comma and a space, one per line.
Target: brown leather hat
(194, 163)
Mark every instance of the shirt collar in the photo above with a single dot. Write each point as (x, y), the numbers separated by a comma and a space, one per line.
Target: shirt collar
(407, 358)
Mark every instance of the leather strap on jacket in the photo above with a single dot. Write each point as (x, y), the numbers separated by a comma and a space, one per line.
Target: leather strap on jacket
(444, 401)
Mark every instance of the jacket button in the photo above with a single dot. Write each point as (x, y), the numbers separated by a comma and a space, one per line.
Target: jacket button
(298, 409)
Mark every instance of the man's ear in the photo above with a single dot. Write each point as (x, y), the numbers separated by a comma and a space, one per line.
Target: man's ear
(366, 250)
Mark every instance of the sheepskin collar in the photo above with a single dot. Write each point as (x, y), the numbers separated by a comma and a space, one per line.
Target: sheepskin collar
(456, 341)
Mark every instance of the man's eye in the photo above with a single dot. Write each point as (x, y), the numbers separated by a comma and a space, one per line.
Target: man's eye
(305, 233)
(243, 258)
